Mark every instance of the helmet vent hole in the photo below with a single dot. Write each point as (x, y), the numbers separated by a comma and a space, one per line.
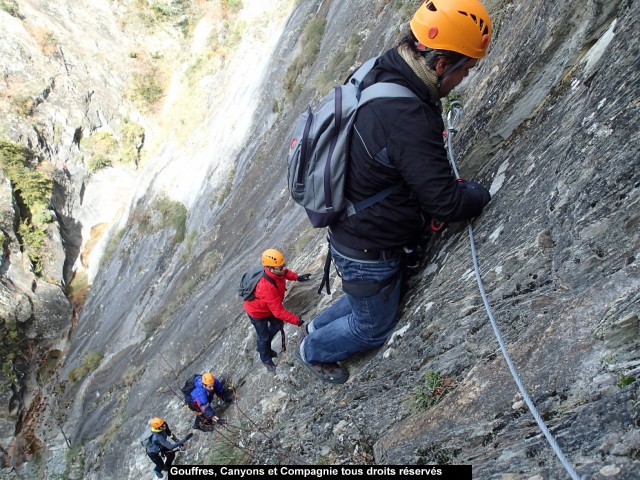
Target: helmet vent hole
(432, 7)
(475, 19)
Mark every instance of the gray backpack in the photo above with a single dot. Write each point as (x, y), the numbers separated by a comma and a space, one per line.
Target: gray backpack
(145, 438)
(248, 282)
(319, 149)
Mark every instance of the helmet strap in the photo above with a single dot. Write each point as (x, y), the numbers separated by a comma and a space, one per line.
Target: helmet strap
(452, 69)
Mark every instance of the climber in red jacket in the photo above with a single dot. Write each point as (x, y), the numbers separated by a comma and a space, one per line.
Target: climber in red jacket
(266, 311)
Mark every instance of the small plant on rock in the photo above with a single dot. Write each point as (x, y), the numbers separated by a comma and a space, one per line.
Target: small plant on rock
(431, 390)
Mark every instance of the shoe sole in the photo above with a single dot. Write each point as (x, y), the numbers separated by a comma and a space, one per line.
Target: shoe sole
(324, 378)
(270, 368)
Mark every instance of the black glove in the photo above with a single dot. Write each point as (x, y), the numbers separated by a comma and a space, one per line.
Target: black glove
(221, 421)
(301, 322)
(480, 193)
(304, 278)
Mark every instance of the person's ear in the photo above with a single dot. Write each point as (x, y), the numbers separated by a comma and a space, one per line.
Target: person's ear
(440, 65)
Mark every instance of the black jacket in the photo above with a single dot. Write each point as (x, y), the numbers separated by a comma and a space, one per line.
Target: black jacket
(404, 144)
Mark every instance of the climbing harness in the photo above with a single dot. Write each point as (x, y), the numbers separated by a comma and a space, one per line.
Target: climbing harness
(453, 116)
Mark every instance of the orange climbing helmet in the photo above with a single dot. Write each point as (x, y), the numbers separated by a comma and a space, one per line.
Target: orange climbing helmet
(461, 26)
(156, 422)
(272, 258)
(207, 379)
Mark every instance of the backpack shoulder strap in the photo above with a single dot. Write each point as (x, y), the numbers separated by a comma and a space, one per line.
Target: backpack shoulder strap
(377, 90)
(269, 279)
(385, 89)
(361, 72)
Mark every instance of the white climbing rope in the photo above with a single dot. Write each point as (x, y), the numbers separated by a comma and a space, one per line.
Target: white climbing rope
(455, 111)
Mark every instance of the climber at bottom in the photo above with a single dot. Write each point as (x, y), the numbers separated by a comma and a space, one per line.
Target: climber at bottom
(159, 449)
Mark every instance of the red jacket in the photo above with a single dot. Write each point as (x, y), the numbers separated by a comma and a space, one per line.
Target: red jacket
(269, 299)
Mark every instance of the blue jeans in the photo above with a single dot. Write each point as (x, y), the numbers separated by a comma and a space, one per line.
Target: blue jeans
(355, 324)
(266, 328)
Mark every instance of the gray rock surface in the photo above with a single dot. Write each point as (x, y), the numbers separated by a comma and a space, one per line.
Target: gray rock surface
(549, 124)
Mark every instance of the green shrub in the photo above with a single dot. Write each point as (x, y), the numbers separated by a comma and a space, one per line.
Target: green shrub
(9, 348)
(231, 6)
(160, 214)
(147, 89)
(449, 99)
(107, 151)
(161, 10)
(24, 105)
(78, 289)
(431, 391)
(189, 246)
(11, 7)
(100, 143)
(112, 246)
(339, 65)
(211, 262)
(33, 189)
(90, 362)
(310, 42)
(223, 40)
(99, 162)
(155, 13)
(132, 139)
(76, 374)
(50, 44)
(624, 380)
(33, 243)
(174, 215)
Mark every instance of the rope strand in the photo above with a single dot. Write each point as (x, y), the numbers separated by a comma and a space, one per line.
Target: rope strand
(452, 118)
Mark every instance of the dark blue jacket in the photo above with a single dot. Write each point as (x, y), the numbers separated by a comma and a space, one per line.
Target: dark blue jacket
(202, 398)
(159, 441)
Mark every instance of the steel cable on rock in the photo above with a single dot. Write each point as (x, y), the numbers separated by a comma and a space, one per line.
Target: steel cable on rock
(453, 116)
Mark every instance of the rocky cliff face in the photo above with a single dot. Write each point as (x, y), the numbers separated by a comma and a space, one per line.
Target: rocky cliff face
(548, 124)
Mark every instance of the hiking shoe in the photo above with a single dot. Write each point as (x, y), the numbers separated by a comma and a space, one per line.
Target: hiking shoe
(273, 354)
(328, 372)
(204, 427)
(270, 366)
(157, 473)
